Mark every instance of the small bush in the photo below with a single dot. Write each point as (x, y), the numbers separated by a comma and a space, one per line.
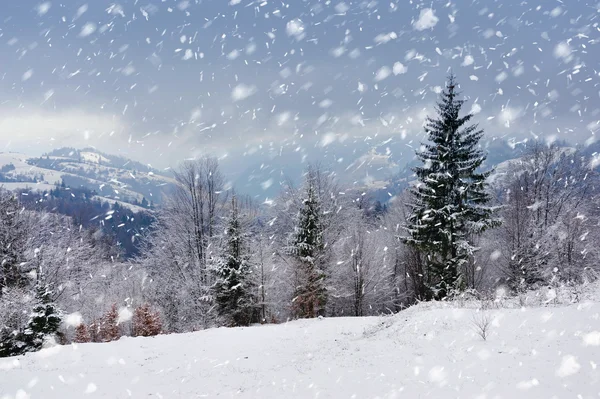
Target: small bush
(482, 322)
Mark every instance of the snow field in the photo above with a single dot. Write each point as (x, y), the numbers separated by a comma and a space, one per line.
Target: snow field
(426, 351)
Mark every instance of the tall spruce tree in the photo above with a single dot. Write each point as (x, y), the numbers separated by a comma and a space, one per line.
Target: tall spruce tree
(234, 288)
(450, 200)
(310, 294)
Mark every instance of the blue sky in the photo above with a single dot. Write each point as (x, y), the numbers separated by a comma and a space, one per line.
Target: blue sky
(264, 83)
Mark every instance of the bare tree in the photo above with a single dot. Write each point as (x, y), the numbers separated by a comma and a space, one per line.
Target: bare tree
(178, 254)
(548, 215)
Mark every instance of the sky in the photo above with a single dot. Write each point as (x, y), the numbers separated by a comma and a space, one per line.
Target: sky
(269, 85)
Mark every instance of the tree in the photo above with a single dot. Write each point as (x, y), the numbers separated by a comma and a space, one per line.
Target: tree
(82, 335)
(146, 321)
(15, 307)
(310, 295)
(363, 281)
(179, 251)
(45, 319)
(549, 217)
(233, 288)
(13, 241)
(450, 200)
(109, 327)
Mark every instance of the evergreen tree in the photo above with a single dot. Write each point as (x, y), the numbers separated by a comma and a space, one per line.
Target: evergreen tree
(310, 295)
(44, 322)
(233, 288)
(45, 319)
(449, 201)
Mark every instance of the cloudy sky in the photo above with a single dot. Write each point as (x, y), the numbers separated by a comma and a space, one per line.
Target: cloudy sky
(266, 84)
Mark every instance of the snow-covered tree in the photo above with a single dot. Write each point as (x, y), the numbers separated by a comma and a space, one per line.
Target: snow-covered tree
(82, 335)
(13, 240)
(109, 329)
(550, 217)
(146, 321)
(45, 318)
(450, 199)
(310, 294)
(16, 305)
(178, 253)
(363, 282)
(234, 291)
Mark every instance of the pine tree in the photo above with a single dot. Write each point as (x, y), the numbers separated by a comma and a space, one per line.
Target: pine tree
(233, 288)
(45, 319)
(449, 201)
(310, 295)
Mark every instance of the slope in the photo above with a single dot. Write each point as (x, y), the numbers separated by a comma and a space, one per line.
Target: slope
(430, 350)
(113, 178)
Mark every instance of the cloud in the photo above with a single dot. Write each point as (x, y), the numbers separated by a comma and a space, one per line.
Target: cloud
(35, 128)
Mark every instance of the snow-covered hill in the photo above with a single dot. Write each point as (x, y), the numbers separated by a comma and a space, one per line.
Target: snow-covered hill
(115, 179)
(430, 350)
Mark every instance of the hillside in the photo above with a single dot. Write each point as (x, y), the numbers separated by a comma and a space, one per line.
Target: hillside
(430, 350)
(113, 178)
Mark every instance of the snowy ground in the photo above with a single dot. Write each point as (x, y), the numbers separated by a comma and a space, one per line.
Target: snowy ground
(428, 351)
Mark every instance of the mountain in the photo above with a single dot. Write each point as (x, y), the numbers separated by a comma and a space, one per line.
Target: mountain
(112, 178)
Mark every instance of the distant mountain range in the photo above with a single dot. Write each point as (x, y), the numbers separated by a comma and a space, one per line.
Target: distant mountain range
(137, 186)
(112, 178)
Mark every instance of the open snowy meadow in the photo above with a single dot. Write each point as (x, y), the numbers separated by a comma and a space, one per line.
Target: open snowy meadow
(429, 351)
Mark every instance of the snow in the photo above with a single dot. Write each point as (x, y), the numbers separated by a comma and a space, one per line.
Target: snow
(93, 157)
(399, 68)
(427, 20)
(430, 350)
(295, 28)
(43, 8)
(242, 91)
(382, 73)
(562, 50)
(23, 168)
(131, 207)
(88, 29)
